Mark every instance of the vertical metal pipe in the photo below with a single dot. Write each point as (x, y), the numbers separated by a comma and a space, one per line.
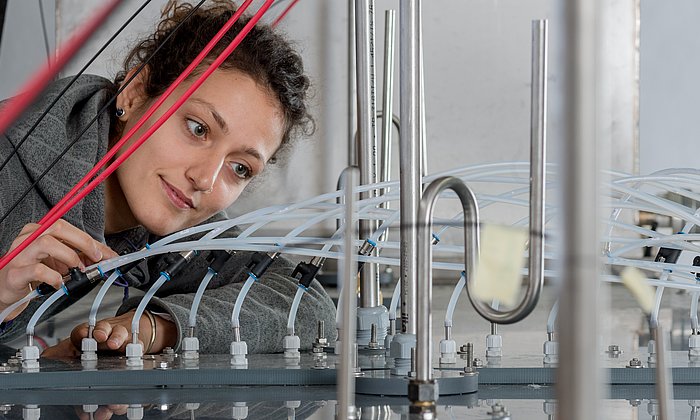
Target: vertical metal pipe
(664, 379)
(578, 377)
(538, 155)
(423, 128)
(367, 134)
(352, 87)
(388, 103)
(409, 159)
(348, 268)
(388, 92)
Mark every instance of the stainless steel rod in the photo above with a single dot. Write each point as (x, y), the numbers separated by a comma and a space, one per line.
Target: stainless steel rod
(348, 269)
(367, 134)
(578, 377)
(388, 92)
(352, 87)
(538, 141)
(424, 336)
(664, 378)
(387, 112)
(409, 158)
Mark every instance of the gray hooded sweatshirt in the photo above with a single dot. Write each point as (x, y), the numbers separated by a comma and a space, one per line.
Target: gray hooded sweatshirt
(264, 313)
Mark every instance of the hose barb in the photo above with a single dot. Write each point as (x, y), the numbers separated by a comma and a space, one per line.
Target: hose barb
(365, 250)
(260, 262)
(306, 272)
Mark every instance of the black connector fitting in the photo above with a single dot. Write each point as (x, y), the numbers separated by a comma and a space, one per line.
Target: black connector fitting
(218, 258)
(181, 260)
(260, 262)
(306, 272)
(696, 263)
(76, 283)
(668, 255)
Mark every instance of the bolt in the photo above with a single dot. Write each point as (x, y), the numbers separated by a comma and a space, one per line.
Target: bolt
(470, 355)
(373, 338)
(635, 363)
(321, 340)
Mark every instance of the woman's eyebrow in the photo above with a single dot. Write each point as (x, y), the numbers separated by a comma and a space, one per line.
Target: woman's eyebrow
(217, 117)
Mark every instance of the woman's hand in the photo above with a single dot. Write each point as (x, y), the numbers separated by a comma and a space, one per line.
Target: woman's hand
(113, 334)
(47, 260)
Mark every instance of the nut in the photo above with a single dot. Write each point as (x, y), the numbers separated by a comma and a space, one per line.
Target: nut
(419, 391)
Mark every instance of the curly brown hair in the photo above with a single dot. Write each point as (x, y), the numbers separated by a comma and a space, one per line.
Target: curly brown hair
(264, 55)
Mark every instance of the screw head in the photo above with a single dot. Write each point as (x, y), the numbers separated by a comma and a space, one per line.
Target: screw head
(635, 363)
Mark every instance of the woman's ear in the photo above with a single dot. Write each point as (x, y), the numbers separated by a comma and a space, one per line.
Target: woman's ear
(134, 94)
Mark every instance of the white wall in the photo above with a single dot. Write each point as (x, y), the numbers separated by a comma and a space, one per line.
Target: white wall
(22, 49)
(670, 70)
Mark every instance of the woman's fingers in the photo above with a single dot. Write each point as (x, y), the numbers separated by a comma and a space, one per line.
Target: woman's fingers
(74, 238)
(110, 336)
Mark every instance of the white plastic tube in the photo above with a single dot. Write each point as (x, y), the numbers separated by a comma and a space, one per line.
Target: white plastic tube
(293, 310)
(552, 319)
(654, 318)
(694, 310)
(395, 298)
(235, 321)
(5, 313)
(40, 311)
(192, 321)
(453, 300)
(142, 306)
(92, 319)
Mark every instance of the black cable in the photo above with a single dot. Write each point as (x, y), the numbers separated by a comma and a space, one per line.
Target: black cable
(63, 91)
(46, 35)
(99, 113)
(3, 7)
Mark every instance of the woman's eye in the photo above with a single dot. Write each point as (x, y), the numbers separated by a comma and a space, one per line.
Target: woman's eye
(241, 170)
(197, 129)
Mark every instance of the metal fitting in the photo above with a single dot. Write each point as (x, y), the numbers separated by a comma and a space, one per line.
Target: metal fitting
(635, 363)
(423, 391)
(373, 344)
(614, 350)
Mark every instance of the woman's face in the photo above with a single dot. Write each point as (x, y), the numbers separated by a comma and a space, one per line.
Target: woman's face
(198, 162)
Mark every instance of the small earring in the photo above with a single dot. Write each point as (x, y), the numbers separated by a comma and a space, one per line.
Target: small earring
(120, 112)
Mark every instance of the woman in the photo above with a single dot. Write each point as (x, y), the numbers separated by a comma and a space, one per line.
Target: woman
(191, 169)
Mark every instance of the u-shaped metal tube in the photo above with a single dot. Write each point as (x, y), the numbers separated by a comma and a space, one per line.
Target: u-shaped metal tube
(425, 256)
(538, 137)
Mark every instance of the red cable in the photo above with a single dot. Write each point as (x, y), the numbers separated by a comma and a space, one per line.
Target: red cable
(193, 65)
(283, 14)
(19, 103)
(57, 214)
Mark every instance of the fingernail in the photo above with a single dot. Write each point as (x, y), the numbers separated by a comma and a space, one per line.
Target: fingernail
(81, 266)
(97, 255)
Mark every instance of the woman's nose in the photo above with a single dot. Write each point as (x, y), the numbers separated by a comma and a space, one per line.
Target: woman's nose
(203, 176)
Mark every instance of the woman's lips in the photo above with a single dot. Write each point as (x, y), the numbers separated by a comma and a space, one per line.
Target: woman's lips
(176, 196)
